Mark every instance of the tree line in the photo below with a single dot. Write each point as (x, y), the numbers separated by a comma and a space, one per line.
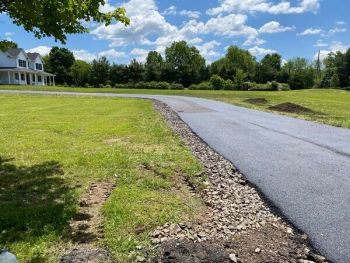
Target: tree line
(183, 66)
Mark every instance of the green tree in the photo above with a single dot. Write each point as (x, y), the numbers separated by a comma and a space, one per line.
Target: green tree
(59, 17)
(99, 73)
(118, 74)
(240, 77)
(59, 63)
(335, 82)
(269, 68)
(80, 72)
(6, 44)
(136, 71)
(184, 64)
(154, 66)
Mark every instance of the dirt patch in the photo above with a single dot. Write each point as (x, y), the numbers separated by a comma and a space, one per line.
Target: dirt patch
(258, 101)
(86, 227)
(291, 108)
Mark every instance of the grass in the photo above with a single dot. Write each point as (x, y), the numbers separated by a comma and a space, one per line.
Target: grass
(331, 106)
(52, 148)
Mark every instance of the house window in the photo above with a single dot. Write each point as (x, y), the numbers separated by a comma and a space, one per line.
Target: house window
(22, 63)
(39, 79)
(23, 78)
(39, 66)
(16, 76)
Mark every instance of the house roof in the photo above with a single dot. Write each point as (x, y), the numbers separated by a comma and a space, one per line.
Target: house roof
(14, 51)
(33, 56)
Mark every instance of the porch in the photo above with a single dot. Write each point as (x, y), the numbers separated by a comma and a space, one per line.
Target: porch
(19, 76)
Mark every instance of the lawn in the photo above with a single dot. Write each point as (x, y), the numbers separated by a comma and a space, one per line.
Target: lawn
(330, 106)
(52, 148)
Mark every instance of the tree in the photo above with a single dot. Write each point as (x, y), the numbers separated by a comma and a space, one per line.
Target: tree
(154, 66)
(59, 17)
(6, 44)
(136, 71)
(80, 72)
(99, 73)
(59, 63)
(118, 74)
(217, 82)
(335, 82)
(184, 64)
(269, 68)
(239, 78)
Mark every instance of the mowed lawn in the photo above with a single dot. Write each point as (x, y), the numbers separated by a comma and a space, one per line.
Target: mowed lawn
(52, 148)
(330, 106)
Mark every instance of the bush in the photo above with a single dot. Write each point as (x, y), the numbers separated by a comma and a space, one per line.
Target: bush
(107, 86)
(217, 82)
(205, 86)
(176, 86)
(100, 86)
(274, 86)
(335, 82)
(239, 79)
(193, 87)
(120, 86)
(229, 85)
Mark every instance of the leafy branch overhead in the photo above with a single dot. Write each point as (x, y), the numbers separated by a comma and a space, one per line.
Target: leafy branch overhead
(57, 18)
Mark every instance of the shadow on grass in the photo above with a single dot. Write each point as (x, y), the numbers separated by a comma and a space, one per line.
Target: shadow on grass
(34, 201)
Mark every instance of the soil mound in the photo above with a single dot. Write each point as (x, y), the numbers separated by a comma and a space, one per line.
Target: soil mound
(291, 108)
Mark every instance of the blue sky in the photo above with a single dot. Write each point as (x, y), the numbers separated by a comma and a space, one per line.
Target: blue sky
(291, 28)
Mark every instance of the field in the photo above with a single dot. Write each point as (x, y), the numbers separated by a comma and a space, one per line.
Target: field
(328, 106)
(52, 148)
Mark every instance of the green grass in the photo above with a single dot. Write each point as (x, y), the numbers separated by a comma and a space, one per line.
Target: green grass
(331, 106)
(52, 148)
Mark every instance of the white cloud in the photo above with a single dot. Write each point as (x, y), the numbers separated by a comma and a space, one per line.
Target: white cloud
(140, 54)
(83, 54)
(319, 43)
(208, 50)
(42, 50)
(171, 10)
(111, 54)
(190, 14)
(310, 31)
(337, 30)
(264, 6)
(340, 23)
(274, 27)
(333, 47)
(259, 51)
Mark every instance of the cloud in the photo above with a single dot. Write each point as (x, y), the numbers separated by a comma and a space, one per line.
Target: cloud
(42, 50)
(274, 27)
(337, 30)
(111, 54)
(190, 14)
(340, 23)
(333, 47)
(83, 54)
(259, 51)
(264, 6)
(140, 54)
(208, 50)
(171, 10)
(310, 31)
(320, 44)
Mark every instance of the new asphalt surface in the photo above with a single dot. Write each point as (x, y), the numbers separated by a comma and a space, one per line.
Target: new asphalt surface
(302, 167)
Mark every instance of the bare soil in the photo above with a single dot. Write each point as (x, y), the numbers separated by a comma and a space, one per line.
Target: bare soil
(87, 226)
(291, 108)
(258, 101)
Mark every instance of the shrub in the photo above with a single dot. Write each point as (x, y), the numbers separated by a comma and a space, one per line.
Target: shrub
(193, 87)
(247, 85)
(229, 85)
(205, 86)
(120, 86)
(100, 85)
(87, 85)
(217, 82)
(141, 85)
(239, 79)
(274, 86)
(176, 86)
(107, 86)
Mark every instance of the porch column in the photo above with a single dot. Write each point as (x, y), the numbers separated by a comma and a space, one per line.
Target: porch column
(53, 80)
(25, 78)
(9, 76)
(49, 80)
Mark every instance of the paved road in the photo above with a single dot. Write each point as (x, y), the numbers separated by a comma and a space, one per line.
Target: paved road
(302, 167)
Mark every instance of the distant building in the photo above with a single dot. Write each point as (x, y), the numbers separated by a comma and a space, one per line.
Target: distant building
(20, 68)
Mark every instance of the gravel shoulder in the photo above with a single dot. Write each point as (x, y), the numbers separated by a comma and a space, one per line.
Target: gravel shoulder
(239, 225)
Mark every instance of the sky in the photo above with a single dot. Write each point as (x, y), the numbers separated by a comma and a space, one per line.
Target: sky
(293, 28)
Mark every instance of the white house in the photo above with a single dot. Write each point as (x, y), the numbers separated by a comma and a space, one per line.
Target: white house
(20, 68)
